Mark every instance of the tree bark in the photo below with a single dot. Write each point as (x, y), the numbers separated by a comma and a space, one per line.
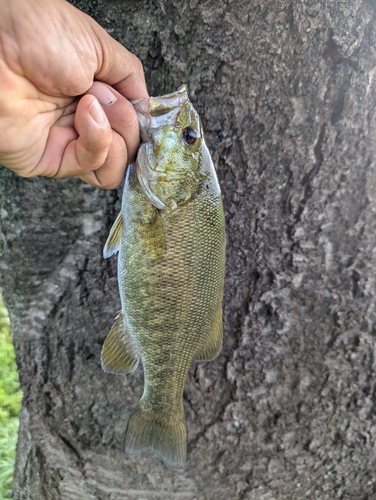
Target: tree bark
(287, 94)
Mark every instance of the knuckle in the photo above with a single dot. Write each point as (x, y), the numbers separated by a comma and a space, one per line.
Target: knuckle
(138, 67)
(91, 160)
(119, 146)
(110, 185)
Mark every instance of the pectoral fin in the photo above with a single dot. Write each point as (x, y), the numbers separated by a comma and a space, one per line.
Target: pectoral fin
(118, 352)
(113, 242)
(213, 343)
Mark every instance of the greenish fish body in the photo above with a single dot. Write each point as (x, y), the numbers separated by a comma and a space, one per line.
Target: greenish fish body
(170, 236)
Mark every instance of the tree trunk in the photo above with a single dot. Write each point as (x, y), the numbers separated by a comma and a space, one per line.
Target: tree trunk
(287, 94)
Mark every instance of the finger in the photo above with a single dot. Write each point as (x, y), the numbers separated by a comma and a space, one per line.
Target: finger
(126, 137)
(77, 143)
(111, 174)
(121, 115)
(93, 143)
(120, 68)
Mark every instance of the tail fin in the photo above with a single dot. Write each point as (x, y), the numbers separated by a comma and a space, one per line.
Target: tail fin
(167, 438)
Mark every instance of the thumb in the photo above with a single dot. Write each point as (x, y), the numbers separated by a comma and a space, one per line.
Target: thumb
(95, 152)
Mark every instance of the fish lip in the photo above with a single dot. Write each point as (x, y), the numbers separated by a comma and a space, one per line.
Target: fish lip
(141, 107)
(153, 111)
(161, 104)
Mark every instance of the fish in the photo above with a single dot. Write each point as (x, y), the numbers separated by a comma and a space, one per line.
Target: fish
(170, 236)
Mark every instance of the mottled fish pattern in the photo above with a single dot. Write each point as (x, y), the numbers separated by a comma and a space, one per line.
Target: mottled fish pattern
(170, 236)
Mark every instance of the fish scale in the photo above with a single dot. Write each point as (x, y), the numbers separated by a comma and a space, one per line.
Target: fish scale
(171, 243)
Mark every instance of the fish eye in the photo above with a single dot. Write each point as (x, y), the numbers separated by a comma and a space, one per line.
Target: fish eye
(190, 135)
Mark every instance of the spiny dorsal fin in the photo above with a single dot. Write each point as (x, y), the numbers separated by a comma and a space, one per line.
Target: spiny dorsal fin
(114, 238)
(213, 343)
(118, 352)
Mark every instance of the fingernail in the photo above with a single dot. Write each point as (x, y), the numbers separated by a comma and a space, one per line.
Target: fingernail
(103, 93)
(97, 112)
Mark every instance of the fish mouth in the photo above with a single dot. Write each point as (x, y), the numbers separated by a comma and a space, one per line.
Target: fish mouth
(153, 112)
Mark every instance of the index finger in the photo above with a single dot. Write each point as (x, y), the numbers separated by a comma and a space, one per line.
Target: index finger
(121, 69)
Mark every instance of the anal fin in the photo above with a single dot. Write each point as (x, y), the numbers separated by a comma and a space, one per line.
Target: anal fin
(213, 343)
(113, 242)
(118, 352)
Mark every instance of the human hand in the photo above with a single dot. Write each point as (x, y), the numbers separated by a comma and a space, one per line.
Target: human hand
(50, 54)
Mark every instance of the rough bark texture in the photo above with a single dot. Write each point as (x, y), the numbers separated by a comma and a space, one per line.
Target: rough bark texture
(287, 93)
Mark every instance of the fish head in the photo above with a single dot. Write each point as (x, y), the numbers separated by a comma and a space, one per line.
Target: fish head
(168, 160)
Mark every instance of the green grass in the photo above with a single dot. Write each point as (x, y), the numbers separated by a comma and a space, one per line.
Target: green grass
(10, 402)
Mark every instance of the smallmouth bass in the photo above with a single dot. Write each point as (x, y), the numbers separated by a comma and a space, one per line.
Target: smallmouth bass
(170, 236)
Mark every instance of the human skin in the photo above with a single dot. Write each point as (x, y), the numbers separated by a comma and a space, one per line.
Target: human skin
(64, 90)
